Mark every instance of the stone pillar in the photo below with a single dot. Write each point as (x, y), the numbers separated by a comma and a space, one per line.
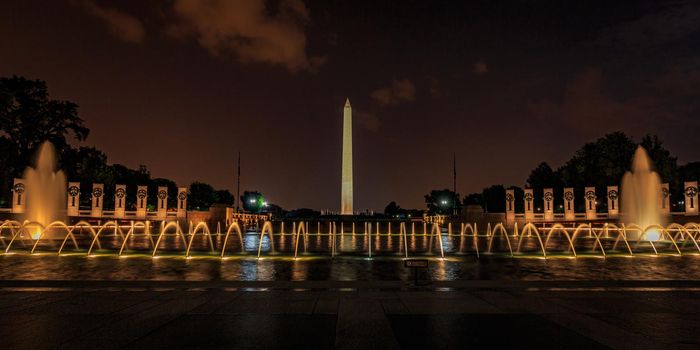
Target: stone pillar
(590, 203)
(97, 200)
(73, 208)
(141, 201)
(613, 202)
(510, 206)
(548, 204)
(665, 199)
(19, 196)
(691, 198)
(529, 204)
(569, 209)
(120, 201)
(182, 202)
(162, 211)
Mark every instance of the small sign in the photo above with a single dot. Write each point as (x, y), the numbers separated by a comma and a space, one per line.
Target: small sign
(416, 263)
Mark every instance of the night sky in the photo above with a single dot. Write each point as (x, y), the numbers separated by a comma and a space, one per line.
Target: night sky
(183, 85)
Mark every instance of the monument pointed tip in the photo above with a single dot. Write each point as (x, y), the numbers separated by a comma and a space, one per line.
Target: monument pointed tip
(347, 102)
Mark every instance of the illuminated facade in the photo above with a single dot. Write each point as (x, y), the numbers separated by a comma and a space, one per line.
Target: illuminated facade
(346, 179)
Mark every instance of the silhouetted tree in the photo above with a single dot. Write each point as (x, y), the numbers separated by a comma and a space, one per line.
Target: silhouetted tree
(275, 210)
(605, 161)
(5, 171)
(132, 179)
(544, 177)
(687, 172)
(494, 199)
(29, 117)
(392, 209)
(223, 197)
(519, 198)
(600, 163)
(474, 199)
(664, 164)
(303, 213)
(441, 201)
(153, 185)
(252, 201)
(201, 196)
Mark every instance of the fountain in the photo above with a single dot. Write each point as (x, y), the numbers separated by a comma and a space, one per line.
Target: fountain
(641, 195)
(46, 190)
(642, 230)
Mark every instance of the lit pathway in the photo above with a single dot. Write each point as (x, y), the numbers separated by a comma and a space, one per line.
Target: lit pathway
(349, 315)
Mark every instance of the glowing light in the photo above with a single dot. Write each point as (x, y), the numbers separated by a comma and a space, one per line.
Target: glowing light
(653, 235)
(36, 234)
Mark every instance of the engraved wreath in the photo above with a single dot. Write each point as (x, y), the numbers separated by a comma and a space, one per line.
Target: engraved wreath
(568, 195)
(19, 188)
(590, 195)
(73, 191)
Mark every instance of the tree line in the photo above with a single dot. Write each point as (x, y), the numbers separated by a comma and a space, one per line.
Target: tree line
(28, 117)
(600, 163)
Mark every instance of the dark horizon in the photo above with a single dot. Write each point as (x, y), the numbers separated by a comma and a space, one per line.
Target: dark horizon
(504, 85)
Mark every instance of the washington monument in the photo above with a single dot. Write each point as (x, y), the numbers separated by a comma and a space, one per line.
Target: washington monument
(346, 182)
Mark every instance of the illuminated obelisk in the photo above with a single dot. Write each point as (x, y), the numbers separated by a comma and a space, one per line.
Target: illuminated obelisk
(346, 185)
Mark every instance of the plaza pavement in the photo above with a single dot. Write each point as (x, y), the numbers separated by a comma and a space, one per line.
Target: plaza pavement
(350, 315)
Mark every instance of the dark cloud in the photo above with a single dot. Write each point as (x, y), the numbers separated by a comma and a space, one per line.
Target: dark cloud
(435, 87)
(122, 25)
(399, 91)
(247, 30)
(367, 120)
(586, 107)
(665, 24)
(480, 67)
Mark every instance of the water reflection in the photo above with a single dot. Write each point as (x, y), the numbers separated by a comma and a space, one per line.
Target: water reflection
(51, 267)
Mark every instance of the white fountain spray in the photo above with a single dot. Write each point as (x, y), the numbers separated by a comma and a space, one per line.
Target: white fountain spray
(641, 196)
(46, 189)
